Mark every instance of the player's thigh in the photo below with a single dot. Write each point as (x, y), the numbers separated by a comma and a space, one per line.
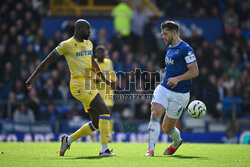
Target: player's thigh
(159, 101)
(157, 110)
(168, 124)
(176, 106)
(98, 105)
(84, 96)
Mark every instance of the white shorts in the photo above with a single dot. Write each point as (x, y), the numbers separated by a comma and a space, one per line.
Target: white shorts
(173, 102)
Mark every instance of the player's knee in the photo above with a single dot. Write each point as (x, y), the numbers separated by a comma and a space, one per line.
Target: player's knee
(154, 114)
(156, 111)
(95, 123)
(166, 129)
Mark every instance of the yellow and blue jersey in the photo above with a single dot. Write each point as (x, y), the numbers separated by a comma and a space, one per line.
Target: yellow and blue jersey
(104, 90)
(79, 58)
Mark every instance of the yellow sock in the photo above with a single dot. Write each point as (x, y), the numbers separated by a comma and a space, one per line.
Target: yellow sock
(104, 127)
(85, 130)
(111, 125)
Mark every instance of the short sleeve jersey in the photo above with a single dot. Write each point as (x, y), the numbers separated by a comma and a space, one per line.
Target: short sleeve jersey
(78, 56)
(176, 60)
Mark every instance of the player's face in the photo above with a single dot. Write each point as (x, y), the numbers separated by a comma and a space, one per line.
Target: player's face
(100, 55)
(167, 36)
(85, 31)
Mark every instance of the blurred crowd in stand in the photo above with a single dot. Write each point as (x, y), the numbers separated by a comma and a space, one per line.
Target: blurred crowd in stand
(224, 65)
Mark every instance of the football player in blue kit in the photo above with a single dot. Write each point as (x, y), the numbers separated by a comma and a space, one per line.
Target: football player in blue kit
(172, 95)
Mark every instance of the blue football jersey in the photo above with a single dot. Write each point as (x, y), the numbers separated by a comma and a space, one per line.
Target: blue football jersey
(176, 60)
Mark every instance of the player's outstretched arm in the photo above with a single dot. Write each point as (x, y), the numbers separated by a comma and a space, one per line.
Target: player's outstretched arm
(97, 70)
(193, 71)
(41, 67)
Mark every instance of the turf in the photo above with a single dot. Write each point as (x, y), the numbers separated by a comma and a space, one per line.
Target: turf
(130, 155)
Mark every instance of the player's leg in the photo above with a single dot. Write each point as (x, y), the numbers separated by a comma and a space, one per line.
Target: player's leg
(157, 111)
(85, 130)
(110, 103)
(158, 107)
(78, 90)
(176, 105)
(66, 140)
(104, 124)
(169, 128)
(94, 115)
(111, 125)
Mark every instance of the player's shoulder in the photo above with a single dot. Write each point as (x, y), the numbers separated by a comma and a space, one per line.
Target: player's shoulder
(106, 60)
(70, 41)
(185, 46)
(67, 41)
(89, 42)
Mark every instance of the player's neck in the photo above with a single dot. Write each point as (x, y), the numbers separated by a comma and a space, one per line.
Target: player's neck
(100, 60)
(175, 41)
(78, 38)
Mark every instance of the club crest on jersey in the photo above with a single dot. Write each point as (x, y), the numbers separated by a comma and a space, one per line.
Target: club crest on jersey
(169, 61)
(84, 53)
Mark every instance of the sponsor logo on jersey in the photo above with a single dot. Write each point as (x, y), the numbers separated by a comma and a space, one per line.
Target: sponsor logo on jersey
(84, 53)
(169, 61)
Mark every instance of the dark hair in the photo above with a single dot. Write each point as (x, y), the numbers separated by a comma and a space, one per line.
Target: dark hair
(170, 25)
(100, 48)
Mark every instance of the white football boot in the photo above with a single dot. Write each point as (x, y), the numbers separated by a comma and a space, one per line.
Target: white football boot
(64, 145)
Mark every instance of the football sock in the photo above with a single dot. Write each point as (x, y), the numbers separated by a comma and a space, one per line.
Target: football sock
(69, 140)
(104, 147)
(85, 130)
(104, 127)
(153, 132)
(93, 136)
(111, 125)
(175, 136)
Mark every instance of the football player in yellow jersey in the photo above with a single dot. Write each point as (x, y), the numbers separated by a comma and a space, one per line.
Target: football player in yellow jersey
(106, 66)
(78, 52)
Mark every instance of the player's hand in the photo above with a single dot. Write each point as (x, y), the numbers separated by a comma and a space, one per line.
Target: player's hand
(172, 82)
(28, 84)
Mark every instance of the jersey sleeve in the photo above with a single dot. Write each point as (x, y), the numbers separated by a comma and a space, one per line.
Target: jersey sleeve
(189, 55)
(60, 49)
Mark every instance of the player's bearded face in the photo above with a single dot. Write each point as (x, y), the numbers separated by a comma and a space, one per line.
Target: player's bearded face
(167, 36)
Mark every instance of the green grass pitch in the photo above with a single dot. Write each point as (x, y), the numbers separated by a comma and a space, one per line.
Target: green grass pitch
(130, 155)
